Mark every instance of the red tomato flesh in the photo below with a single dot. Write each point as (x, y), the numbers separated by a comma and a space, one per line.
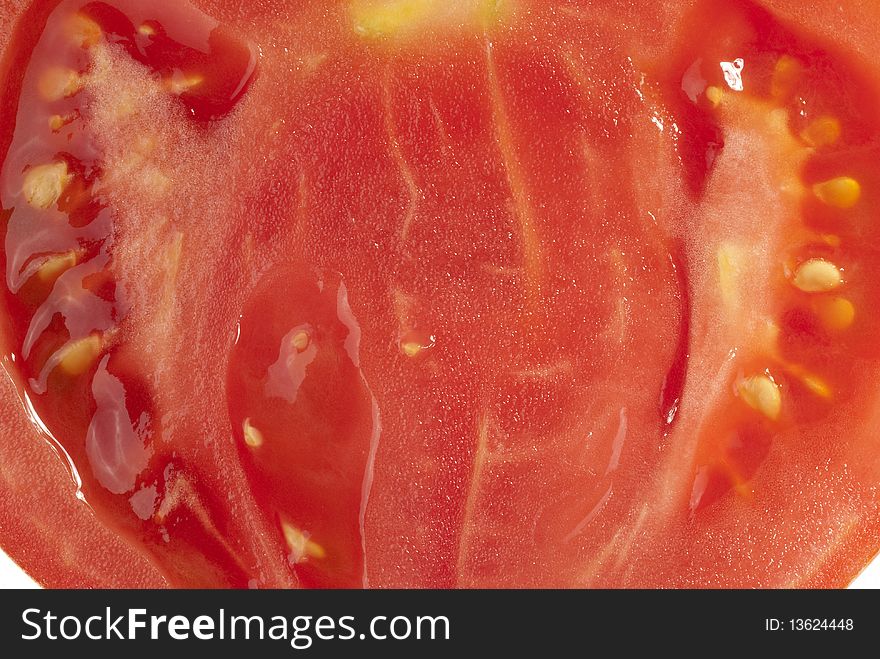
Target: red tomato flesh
(394, 293)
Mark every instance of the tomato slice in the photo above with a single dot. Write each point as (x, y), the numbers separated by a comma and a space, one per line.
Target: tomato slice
(400, 293)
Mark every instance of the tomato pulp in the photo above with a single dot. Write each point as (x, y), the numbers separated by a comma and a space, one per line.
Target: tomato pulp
(402, 293)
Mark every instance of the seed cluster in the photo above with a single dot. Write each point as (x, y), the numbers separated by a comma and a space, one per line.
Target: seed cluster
(817, 277)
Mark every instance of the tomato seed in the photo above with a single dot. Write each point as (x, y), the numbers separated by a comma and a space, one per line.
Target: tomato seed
(841, 192)
(817, 276)
(762, 394)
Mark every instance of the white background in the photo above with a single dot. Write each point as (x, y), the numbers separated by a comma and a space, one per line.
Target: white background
(11, 575)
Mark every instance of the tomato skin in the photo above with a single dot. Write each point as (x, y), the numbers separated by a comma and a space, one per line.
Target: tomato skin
(510, 417)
